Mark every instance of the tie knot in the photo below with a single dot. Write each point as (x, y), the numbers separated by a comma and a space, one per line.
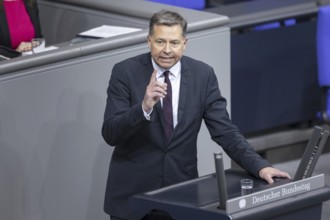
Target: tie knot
(166, 73)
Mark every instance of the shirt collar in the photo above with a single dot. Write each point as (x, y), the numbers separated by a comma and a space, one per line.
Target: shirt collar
(175, 70)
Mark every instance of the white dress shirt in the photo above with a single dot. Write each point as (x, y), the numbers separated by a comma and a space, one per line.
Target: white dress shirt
(175, 78)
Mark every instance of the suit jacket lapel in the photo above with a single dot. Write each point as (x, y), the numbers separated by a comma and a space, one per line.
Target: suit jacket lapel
(183, 90)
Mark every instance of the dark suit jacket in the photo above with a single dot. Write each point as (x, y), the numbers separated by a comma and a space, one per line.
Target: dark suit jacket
(4, 31)
(143, 159)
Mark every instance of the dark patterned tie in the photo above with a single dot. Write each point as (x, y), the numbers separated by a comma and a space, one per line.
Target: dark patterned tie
(167, 107)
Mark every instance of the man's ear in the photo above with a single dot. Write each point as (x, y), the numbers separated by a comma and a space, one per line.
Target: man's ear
(185, 43)
(149, 41)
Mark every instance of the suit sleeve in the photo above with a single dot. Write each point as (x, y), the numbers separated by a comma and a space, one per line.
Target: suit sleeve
(227, 134)
(122, 119)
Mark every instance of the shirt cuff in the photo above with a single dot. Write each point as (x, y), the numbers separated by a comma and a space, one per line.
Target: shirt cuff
(147, 115)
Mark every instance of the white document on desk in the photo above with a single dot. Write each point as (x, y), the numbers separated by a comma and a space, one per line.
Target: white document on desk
(42, 50)
(105, 31)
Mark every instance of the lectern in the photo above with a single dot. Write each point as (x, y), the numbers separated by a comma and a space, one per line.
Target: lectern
(198, 199)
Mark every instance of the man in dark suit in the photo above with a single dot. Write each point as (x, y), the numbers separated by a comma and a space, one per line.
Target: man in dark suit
(153, 148)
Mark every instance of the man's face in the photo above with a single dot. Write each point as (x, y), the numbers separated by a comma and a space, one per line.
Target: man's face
(167, 45)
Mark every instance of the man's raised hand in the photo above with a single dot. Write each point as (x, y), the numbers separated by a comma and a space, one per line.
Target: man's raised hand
(155, 90)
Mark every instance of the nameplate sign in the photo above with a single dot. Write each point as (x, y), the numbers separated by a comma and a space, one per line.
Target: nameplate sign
(273, 194)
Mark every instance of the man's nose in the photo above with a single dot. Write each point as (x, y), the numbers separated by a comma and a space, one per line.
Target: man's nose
(167, 48)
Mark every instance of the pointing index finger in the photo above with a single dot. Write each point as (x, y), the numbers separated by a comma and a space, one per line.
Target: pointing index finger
(153, 76)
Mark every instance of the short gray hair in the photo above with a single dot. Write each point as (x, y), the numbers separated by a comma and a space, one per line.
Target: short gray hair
(168, 18)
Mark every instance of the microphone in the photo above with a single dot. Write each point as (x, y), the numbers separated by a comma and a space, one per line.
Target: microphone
(221, 180)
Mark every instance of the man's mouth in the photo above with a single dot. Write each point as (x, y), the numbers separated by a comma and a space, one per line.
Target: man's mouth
(166, 58)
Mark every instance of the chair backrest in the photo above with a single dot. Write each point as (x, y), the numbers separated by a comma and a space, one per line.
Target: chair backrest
(323, 45)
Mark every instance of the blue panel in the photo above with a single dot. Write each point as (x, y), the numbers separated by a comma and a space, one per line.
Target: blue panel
(193, 4)
(290, 22)
(323, 45)
(267, 26)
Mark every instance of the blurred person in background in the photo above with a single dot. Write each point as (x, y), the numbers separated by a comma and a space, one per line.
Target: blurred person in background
(19, 23)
